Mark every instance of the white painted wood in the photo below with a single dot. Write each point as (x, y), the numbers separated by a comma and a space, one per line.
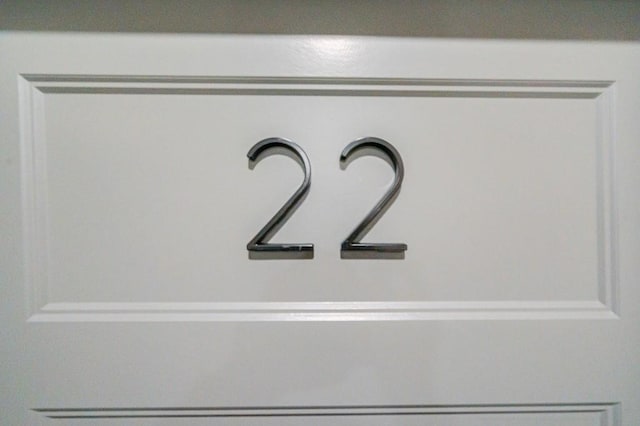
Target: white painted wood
(127, 204)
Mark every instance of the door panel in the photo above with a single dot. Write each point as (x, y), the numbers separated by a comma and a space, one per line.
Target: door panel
(129, 201)
(154, 173)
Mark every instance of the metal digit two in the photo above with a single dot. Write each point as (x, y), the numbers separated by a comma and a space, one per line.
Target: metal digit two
(352, 247)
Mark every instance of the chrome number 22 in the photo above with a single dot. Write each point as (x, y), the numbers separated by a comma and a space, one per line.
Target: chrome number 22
(352, 247)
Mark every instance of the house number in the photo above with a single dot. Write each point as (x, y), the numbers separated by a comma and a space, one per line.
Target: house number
(352, 247)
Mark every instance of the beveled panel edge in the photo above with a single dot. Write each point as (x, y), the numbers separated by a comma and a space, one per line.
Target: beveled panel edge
(606, 413)
(307, 86)
(33, 180)
(32, 90)
(321, 311)
(608, 286)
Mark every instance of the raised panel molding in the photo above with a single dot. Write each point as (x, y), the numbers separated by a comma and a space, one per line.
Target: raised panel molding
(34, 89)
(602, 414)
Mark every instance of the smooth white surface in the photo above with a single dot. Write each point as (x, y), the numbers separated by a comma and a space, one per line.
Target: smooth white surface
(129, 287)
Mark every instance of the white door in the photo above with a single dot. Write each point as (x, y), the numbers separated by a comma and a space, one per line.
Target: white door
(129, 297)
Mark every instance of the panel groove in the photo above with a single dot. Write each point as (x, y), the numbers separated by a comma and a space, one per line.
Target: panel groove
(604, 412)
(48, 79)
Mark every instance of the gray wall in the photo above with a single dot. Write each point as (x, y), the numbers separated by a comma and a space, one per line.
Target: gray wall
(533, 19)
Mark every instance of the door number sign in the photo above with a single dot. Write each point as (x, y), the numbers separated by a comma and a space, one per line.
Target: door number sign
(352, 247)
